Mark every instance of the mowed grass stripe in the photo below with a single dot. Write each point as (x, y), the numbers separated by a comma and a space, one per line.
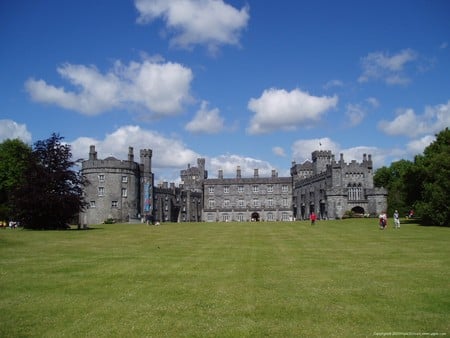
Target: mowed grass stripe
(336, 278)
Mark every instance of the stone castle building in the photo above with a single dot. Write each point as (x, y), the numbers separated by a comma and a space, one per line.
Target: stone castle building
(117, 190)
(331, 188)
(247, 198)
(124, 190)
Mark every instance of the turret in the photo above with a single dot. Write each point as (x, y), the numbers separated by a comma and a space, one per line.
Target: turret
(320, 158)
(92, 153)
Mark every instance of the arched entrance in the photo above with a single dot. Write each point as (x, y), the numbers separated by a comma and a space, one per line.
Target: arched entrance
(255, 217)
(358, 210)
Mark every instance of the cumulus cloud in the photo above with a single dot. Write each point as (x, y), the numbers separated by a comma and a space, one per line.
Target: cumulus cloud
(302, 149)
(229, 163)
(278, 109)
(207, 22)
(417, 147)
(10, 129)
(170, 155)
(386, 67)
(408, 123)
(206, 121)
(157, 88)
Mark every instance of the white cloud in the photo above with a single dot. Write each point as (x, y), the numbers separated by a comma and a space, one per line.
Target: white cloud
(385, 67)
(206, 121)
(279, 151)
(408, 123)
(10, 129)
(157, 88)
(207, 22)
(417, 147)
(302, 149)
(229, 163)
(170, 155)
(443, 45)
(278, 109)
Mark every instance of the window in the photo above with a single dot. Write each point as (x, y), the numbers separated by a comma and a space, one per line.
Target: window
(101, 178)
(270, 202)
(124, 179)
(240, 189)
(270, 216)
(114, 204)
(211, 190)
(92, 204)
(124, 192)
(240, 217)
(285, 202)
(270, 188)
(226, 189)
(225, 218)
(211, 203)
(210, 217)
(255, 202)
(284, 188)
(101, 191)
(285, 216)
(255, 188)
(355, 192)
(241, 203)
(226, 203)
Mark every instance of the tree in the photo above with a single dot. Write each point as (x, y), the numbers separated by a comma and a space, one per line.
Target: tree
(393, 179)
(14, 158)
(51, 193)
(428, 184)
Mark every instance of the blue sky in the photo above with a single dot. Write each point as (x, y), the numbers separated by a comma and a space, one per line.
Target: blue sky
(251, 83)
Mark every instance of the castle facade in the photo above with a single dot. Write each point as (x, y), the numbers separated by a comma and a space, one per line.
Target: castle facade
(124, 190)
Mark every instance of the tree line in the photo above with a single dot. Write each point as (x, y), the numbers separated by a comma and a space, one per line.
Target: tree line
(40, 187)
(422, 185)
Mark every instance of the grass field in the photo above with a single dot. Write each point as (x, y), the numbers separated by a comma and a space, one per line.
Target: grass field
(336, 278)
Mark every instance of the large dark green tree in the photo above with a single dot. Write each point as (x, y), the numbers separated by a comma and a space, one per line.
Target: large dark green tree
(14, 158)
(427, 183)
(392, 178)
(423, 185)
(51, 192)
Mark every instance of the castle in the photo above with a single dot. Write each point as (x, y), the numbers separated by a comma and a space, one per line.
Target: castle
(124, 191)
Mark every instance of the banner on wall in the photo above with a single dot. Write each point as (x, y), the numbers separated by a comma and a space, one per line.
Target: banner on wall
(147, 197)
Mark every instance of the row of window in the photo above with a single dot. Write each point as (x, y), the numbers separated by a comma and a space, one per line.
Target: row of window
(101, 192)
(255, 203)
(241, 189)
(354, 175)
(101, 178)
(114, 204)
(241, 218)
(355, 193)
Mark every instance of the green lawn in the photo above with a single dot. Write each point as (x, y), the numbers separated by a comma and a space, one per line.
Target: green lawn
(336, 278)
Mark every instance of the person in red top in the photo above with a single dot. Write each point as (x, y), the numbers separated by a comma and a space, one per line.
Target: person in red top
(313, 217)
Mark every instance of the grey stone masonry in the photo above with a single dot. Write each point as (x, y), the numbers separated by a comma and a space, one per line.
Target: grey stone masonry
(247, 199)
(114, 187)
(331, 188)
